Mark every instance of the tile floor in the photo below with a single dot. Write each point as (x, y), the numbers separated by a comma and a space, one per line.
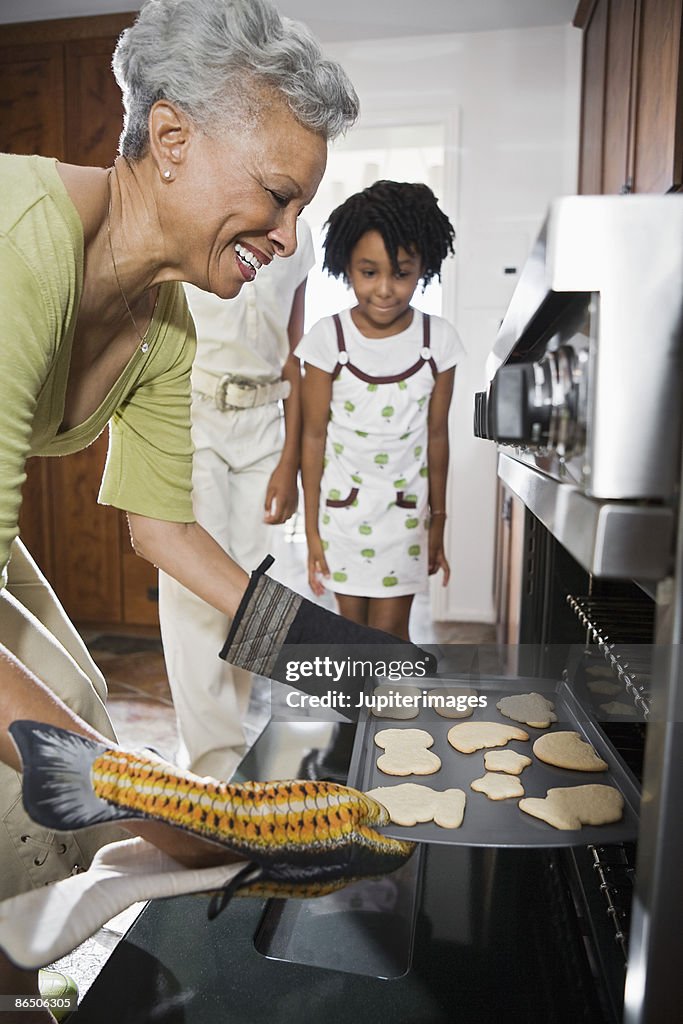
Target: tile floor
(142, 711)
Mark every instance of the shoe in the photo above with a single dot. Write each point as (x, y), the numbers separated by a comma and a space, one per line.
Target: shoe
(58, 988)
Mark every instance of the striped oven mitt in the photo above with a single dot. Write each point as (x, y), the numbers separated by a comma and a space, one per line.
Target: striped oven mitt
(297, 838)
(274, 624)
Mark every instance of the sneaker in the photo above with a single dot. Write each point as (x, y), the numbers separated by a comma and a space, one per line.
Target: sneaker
(54, 985)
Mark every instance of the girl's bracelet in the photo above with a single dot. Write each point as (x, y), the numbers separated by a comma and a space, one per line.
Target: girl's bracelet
(435, 515)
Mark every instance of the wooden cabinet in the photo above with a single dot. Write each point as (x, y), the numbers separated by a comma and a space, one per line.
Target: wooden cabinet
(60, 98)
(658, 100)
(509, 566)
(93, 114)
(509, 575)
(31, 76)
(632, 96)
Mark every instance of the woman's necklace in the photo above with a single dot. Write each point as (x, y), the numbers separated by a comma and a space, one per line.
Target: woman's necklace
(144, 344)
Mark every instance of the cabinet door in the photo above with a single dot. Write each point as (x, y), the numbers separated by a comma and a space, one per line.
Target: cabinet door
(139, 584)
(35, 516)
(658, 128)
(31, 87)
(120, 587)
(93, 108)
(60, 98)
(593, 100)
(501, 586)
(31, 121)
(87, 557)
(509, 575)
(607, 95)
(87, 553)
(616, 151)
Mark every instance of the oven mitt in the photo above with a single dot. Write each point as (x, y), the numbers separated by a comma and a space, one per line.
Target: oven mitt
(298, 838)
(272, 619)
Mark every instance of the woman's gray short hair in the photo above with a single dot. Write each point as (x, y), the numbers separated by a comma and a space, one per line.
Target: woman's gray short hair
(204, 54)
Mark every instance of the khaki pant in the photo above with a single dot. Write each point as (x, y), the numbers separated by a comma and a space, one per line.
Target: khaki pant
(35, 628)
(235, 454)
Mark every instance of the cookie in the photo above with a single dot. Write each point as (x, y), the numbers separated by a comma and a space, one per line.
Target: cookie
(498, 787)
(460, 697)
(386, 696)
(508, 761)
(568, 750)
(470, 736)
(599, 671)
(406, 753)
(571, 807)
(617, 707)
(410, 804)
(530, 708)
(604, 688)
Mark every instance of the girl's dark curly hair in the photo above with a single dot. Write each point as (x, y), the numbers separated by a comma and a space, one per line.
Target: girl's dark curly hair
(406, 215)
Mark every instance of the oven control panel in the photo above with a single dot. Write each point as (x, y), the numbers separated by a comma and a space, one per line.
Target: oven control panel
(539, 406)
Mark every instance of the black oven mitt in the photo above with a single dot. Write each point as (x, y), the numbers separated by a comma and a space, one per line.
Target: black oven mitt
(274, 625)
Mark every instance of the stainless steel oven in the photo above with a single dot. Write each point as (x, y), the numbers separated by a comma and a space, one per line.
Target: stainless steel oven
(584, 404)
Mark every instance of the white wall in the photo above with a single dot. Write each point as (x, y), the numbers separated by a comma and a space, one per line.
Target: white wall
(509, 101)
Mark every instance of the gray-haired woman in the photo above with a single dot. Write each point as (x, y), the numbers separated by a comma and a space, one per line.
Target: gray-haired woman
(228, 110)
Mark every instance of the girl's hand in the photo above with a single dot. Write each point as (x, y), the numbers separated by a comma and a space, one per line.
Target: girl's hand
(282, 495)
(317, 565)
(437, 557)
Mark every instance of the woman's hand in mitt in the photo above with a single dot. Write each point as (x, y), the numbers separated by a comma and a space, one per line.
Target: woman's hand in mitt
(297, 838)
(273, 620)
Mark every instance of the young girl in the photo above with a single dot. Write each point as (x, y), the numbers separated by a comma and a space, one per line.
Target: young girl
(378, 385)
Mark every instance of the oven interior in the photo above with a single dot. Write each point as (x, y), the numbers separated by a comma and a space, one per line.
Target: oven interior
(599, 635)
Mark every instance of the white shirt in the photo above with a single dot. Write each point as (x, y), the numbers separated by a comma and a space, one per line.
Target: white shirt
(380, 356)
(247, 335)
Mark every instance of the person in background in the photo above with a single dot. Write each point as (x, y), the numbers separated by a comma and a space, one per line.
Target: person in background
(376, 395)
(244, 478)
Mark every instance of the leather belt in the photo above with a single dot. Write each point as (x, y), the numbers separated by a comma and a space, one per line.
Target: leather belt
(232, 392)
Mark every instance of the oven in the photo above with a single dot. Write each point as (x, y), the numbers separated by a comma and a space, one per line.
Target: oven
(584, 405)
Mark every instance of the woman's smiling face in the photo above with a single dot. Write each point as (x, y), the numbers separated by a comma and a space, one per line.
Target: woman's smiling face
(236, 198)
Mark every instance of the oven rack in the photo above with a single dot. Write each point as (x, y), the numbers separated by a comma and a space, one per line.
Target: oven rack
(615, 870)
(616, 625)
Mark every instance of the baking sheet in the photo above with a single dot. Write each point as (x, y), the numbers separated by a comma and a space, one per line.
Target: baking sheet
(497, 822)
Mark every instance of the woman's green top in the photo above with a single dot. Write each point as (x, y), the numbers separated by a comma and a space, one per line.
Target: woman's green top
(149, 463)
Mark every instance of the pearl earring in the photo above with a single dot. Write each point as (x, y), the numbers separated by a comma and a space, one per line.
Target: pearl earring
(167, 175)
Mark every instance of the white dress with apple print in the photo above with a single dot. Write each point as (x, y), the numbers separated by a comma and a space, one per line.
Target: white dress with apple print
(373, 519)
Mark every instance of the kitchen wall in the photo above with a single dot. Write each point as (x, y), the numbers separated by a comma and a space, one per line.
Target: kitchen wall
(509, 103)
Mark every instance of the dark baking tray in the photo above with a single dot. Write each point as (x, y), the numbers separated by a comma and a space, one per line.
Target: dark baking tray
(498, 822)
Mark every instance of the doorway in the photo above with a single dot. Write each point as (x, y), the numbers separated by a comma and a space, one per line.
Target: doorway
(402, 153)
